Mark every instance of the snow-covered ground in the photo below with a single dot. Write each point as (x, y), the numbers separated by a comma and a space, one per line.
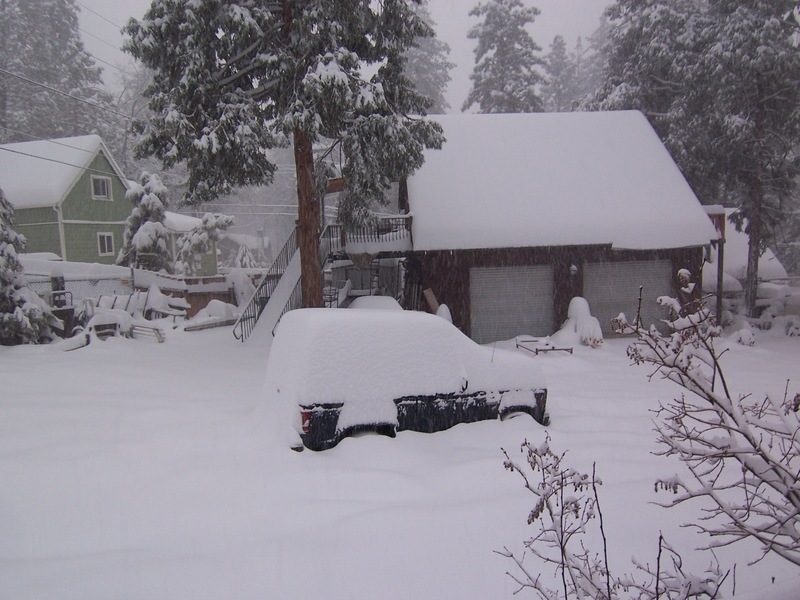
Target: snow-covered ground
(132, 469)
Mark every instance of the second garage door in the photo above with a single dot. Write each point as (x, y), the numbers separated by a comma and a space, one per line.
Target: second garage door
(613, 287)
(510, 301)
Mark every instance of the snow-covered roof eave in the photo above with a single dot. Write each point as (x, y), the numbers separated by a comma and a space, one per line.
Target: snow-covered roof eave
(468, 248)
(94, 145)
(687, 246)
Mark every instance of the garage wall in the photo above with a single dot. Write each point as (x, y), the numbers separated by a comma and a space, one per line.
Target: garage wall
(613, 287)
(509, 301)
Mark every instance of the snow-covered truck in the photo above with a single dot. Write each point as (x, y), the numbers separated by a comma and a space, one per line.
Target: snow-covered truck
(341, 372)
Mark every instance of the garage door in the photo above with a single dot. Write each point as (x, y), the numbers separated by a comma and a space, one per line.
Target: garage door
(509, 301)
(613, 287)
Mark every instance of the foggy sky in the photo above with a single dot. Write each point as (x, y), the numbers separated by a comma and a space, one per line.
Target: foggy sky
(570, 18)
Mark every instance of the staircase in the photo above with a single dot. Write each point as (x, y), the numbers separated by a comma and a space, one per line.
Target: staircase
(281, 283)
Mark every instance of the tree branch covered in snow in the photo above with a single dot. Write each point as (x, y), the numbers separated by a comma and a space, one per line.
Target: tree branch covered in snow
(24, 317)
(191, 246)
(567, 502)
(144, 242)
(743, 455)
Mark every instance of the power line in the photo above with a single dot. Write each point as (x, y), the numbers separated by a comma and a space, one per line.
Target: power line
(40, 139)
(113, 66)
(52, 89)
(99, 39)
(55, 160)
(94, 12)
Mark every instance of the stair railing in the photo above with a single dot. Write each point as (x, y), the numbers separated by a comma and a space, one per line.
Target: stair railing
(266, 286)
(328, 244)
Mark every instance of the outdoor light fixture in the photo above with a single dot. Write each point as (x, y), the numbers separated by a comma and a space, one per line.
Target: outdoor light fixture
(573, 270)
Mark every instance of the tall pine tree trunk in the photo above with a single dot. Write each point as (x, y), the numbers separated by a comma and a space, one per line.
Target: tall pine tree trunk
(755, 235)
(754, 217)
(307, 221)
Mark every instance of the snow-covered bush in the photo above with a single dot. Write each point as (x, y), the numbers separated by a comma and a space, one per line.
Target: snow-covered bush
(191, 246)
(144, 242)
(24, 317)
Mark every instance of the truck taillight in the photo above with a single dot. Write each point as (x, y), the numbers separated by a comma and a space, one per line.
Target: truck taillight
(305, 420)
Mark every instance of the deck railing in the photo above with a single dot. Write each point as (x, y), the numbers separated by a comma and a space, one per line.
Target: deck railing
(385, 229)
(331, 241)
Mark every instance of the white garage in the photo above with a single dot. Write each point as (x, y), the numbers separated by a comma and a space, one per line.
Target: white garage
(613, 287)
(509, 301)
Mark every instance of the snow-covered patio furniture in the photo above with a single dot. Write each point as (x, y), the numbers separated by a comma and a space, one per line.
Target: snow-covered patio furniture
(342, 372)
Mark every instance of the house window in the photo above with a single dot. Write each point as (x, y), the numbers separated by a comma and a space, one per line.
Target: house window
(101, 188)
(105, 244)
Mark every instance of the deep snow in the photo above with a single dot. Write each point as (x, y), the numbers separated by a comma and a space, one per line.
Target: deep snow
(131, 469)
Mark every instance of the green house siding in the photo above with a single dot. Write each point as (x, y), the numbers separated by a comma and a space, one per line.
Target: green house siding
(79, 205)
(40, 228)
(40, 237)
(82, 241)
(42, 215)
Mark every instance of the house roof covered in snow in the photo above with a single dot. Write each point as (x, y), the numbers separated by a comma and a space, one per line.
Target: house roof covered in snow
(180, 223)
(42, 172)
(553, 179)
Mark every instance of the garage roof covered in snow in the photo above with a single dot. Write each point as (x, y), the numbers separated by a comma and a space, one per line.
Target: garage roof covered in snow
(553, 179)
(42, 172)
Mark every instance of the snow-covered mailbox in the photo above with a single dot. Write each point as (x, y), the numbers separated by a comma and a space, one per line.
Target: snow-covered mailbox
(338, 372)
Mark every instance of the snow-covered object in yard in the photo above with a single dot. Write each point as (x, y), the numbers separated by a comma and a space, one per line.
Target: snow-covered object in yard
(217, 310)
(24, 164)
(553, 179)
(580, 326)
(444, 312)
(376, 302)
(773, 291)
(730, 285)
(745, 337)
(242, 285)
(109, 321)
(165, 305)
(363, 361)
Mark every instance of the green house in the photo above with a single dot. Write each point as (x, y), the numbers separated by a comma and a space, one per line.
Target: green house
(69, 200)
(68, 196)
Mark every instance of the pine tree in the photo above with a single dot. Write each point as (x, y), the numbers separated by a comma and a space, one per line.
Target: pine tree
(560, 90)
(144, 242)
(753, 70)
(244, 258)
(427, 66)
(193, 245)
(270, 74)
(590, 61)
(720, 82)
(24, 317)
(507, 60)
(42, 64)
